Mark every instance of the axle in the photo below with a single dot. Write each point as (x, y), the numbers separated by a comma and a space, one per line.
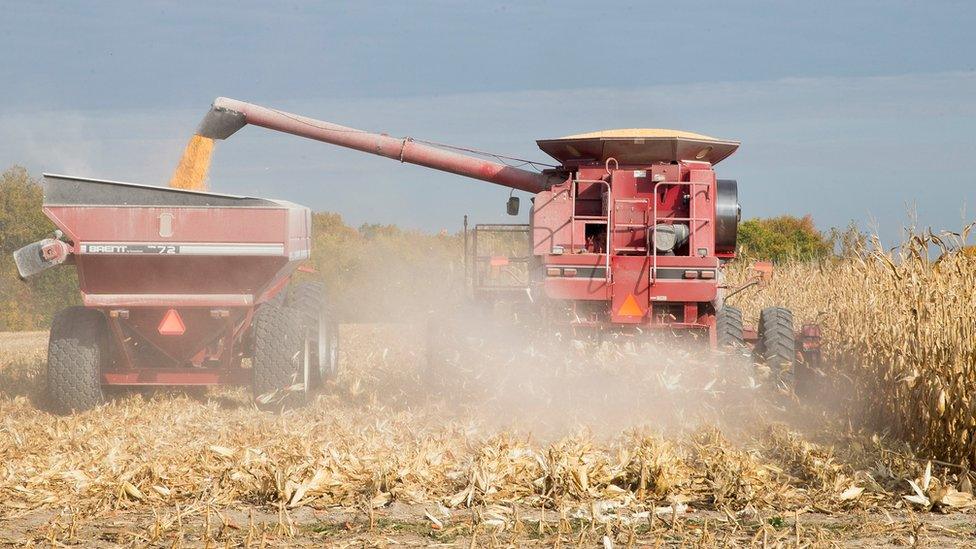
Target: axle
(226, 116)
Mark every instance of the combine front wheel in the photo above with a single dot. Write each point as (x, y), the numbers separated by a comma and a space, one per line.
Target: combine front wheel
(77, 349)
(777, 342)
(728, 327)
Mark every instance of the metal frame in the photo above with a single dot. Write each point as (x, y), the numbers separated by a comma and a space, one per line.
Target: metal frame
(691, 220)
(472, 259)
(610, 203)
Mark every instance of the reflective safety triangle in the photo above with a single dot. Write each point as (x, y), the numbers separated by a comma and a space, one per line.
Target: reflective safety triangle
(171, 324)
(630, 307)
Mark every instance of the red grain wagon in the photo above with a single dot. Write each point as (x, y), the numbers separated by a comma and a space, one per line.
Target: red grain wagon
(179, 288)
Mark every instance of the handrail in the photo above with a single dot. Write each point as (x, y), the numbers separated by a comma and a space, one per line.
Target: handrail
(691, 219)
(572, 225)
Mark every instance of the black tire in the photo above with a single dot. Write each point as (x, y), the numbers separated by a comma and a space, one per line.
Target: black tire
(728, 327)
(279, 354)
(777, 341)
(279, 298)
(321, 329)
(77, 350)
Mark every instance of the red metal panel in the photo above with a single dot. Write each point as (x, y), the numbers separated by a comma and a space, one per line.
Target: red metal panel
(703, 206)
(175, 275)
(630, 286)
(550, 221)
(630, 225)
(675, 261)
(585, 260)
(583, 289)
(683, 290)
(142, 224)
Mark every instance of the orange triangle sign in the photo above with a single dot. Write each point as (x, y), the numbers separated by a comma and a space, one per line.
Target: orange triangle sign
(630, 307)
(171, 324)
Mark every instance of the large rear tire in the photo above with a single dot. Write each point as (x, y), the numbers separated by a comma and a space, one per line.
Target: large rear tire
(77, 350)
(777, 342)
(728, 327)
(321, 330)
(279, 365)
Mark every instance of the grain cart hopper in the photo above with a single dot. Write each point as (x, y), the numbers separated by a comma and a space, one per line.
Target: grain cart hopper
(628, 233)
(178, 288)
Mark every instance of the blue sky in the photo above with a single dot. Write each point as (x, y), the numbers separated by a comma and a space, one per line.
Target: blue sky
(858, 111)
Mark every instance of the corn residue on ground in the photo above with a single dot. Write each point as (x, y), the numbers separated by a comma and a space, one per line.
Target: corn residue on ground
(191, 173)
(379, 459)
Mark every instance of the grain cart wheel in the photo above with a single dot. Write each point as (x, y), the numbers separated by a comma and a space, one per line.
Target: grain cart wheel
(77, 349)
(728, 327)
(321, 330)
(777, 344)
(279, 363)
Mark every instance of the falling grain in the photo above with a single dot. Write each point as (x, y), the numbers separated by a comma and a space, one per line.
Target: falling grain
(194, 165)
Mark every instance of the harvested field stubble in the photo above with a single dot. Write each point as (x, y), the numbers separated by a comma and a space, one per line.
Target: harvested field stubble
(378, 457)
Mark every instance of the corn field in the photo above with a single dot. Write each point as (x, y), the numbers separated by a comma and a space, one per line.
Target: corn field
(900, 332)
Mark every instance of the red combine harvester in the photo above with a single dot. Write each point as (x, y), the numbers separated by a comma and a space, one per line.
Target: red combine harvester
(628, 233)
(178, 288)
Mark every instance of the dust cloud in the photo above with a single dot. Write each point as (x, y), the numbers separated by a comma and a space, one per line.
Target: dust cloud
(553, 385)
(470, 364)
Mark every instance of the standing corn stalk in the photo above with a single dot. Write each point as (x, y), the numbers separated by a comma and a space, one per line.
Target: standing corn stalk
(902, 327)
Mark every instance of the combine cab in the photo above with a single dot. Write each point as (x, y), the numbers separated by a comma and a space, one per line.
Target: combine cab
(179, 288)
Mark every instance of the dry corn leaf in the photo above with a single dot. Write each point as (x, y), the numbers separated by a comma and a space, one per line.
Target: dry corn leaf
(851, 493)
(955, 498)
(131, 491)
(222, 451)
(435, 523)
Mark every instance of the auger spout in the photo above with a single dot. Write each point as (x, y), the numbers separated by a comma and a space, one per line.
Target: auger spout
(226, 116)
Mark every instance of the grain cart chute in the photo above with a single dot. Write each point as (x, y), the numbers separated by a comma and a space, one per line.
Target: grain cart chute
(179, 288)
(629, 233)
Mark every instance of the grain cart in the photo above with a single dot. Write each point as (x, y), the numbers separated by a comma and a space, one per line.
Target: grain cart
(627, 233)
(178, 288)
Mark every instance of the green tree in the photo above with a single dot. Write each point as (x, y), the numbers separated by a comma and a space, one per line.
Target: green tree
(27, 305)
(783, 238)
(21, 220)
